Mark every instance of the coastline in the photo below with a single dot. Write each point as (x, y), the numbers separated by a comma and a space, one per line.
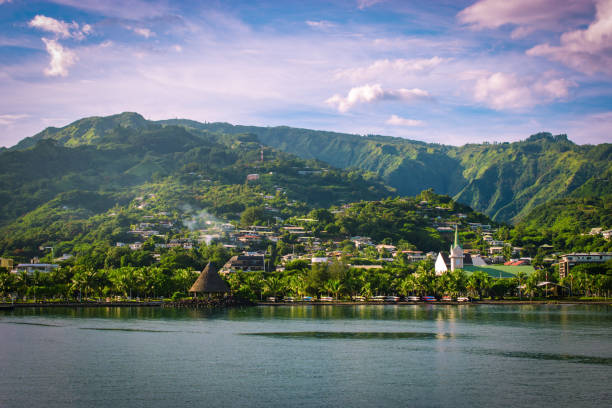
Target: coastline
(9, 306)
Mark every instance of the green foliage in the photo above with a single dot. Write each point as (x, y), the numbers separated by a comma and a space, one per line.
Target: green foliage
(505, 180)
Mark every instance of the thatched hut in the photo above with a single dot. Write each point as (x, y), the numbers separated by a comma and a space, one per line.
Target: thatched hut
(209, 282)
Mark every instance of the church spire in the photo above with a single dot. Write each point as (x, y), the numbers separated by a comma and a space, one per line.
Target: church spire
(456, 238)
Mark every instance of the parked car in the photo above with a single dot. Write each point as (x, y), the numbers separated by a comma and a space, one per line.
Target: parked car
(429, 299)
(463, 299)
(326, 299)
(392, 298)
(412, 298)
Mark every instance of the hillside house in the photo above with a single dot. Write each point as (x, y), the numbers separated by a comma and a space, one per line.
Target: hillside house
(246, 262)
(31, 268)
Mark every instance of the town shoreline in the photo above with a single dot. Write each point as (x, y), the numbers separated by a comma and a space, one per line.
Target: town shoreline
(187, 304)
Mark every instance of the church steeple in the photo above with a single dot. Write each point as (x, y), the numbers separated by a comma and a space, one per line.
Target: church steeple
(456, 238)
(456, 253)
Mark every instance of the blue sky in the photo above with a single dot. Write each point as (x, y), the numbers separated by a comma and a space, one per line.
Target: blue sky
(446, 71)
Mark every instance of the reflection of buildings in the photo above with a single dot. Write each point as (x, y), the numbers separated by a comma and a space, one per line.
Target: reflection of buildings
(573, 259)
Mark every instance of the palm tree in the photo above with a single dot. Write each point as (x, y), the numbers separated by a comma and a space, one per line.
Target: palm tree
(334, 286)
(256, 283)
(22, 282)
(366, 290)
(480, 282)
(520, 279)
(7, 283)
(531, 285)
(274, 284)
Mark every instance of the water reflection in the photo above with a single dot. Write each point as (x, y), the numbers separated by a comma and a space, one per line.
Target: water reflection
(547, 356)
(353, 335)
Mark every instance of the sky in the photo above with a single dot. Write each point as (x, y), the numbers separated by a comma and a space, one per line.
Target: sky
(447, 71)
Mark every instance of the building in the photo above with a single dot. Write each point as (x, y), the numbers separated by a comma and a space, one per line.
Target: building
(31, 268)
(456, 253)
(568, 260)
(456, 259)
(6, 263)
(245, 262)
(361, 242)
(209, 283)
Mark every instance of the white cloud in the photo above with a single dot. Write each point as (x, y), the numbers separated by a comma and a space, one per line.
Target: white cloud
(502, 91)
(144, 32)
(60, 28)
(373, 93)
(399, 121)
(588, 50)
(9, 119)
(5, 1)
(386, 67)
(322, 24)
(61, 58)
(363, 4)
(527, 15)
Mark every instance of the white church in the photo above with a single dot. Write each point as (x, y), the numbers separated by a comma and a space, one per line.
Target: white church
(456, 259)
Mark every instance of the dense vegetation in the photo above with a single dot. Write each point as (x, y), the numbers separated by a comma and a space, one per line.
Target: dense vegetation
(85, 188)
(503, 180)
(339, 280)
(65, 186)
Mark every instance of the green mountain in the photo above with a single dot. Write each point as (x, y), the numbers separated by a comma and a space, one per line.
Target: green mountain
(575, 215)
(61, 182)
(503, 180)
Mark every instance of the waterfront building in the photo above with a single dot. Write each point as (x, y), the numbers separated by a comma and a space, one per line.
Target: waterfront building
(573, 259)
(457, 258)
(209, 283)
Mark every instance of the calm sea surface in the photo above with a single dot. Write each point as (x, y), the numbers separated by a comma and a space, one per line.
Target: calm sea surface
(416, 355)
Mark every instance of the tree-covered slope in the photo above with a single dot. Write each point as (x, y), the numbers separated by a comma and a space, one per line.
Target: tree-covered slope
(577, 215)
(69, 176)
(504, 180)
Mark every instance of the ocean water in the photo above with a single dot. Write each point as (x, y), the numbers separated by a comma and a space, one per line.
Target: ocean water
(312, 356)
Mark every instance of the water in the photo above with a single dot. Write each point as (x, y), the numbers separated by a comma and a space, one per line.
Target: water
(416, 355)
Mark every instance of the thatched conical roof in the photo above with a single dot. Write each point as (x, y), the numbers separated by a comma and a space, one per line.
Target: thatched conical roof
(209, 281)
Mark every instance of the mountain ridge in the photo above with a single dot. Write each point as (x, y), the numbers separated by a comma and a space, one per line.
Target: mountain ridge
(504, 180)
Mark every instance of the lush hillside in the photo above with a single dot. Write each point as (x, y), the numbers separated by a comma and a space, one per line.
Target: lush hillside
(505, 180)
(577, 215)
(59, 183)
